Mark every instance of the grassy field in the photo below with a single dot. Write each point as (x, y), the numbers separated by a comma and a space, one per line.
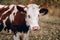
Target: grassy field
(49, 27)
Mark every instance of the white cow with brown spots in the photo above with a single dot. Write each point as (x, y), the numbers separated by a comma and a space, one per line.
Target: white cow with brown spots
(20, 19)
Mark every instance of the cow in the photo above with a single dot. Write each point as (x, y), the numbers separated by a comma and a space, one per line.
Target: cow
(20, 19)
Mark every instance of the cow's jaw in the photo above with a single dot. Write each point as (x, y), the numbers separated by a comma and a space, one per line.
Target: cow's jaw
(32, 16)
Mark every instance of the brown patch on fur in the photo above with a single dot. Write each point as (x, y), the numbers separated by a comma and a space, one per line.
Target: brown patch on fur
(19, 18)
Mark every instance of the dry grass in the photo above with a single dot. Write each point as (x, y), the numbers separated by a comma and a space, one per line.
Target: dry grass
(49, 29)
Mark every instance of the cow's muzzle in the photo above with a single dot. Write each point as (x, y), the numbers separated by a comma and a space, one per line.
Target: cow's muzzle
(35, 28)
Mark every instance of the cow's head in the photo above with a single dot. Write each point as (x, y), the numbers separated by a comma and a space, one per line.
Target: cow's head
(32, 15)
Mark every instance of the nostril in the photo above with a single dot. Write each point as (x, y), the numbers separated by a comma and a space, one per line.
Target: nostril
(35, 28)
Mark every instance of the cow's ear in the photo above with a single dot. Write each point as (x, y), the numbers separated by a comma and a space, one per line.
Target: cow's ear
(21, 9)
(43, 11)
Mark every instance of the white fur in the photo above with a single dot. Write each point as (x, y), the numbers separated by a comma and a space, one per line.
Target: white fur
(4, 22)
(5, 6)
(33, 12)
(12, 16)
(1, 6)
(15, 10)
(21, 5)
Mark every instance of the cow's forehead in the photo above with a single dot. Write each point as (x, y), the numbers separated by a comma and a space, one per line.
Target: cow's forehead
(33, 9)
(33, 5)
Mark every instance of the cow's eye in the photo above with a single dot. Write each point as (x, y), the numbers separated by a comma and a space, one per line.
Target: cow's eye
(29, 16)
(38, 15)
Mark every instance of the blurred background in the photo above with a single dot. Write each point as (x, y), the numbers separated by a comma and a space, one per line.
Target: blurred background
(49, 24)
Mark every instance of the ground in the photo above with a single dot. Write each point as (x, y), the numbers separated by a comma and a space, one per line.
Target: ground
(49, 28)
